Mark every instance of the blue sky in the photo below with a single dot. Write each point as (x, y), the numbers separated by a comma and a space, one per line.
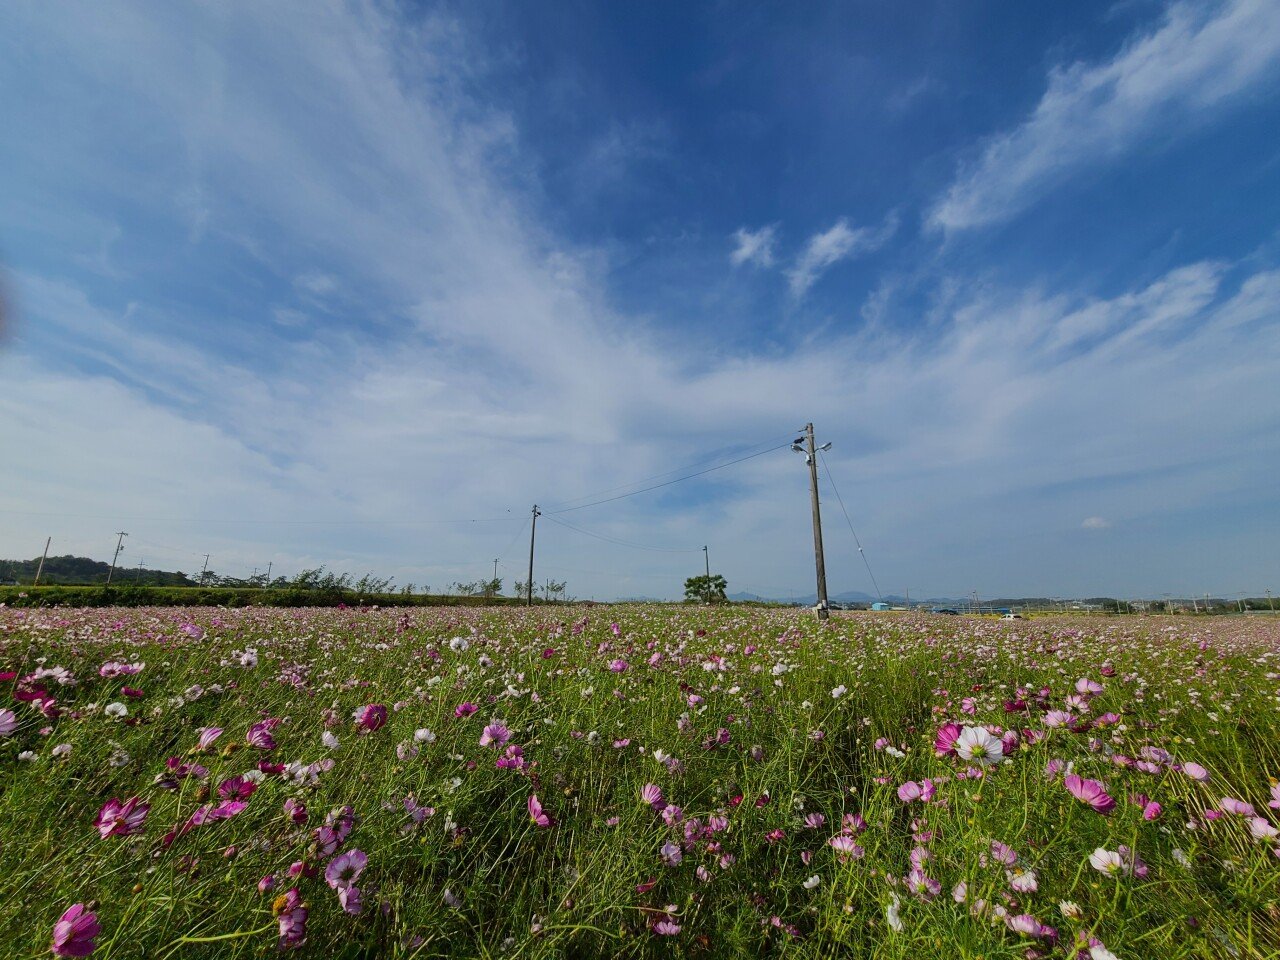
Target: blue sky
(279, 274)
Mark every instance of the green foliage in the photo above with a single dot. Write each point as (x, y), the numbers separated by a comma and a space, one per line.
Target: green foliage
(706, 589)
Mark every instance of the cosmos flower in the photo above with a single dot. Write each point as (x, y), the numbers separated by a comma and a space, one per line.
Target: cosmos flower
(8, 722)
(344, 869)
(207, 736)
(1106, 861)
(651, 794)
(1196, 772)
(671, 854)
(117, 819)
(259, 736)
(75, 932)
(979, 745)
(370, 717)
(291, 913)
(539, 817)
(1091, 792)
(944, 744)
(494, 735)
(1238, 807)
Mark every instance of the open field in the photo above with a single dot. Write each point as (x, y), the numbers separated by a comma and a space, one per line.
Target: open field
(636, 781)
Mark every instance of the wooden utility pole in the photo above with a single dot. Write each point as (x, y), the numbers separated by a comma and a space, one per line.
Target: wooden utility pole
(819, 562)
(533, 532)
(120, 535)
(40, 569)
(707, 557)
(204, 569)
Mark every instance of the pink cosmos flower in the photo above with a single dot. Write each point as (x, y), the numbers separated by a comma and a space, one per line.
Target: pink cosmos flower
(671, 854)
(267, 883)
(291, 913)
(944, 744)
(1196, 772)
(1003, 853)
(619, 666)
(75, 932)
(924, 790)
(259, 736)
(814, 821)
(1087, 687)
(8, 722)
(651, 794)
(1029, 926)
(922, 885)
(1091, 792)
(1261, 829)
(207, 736)
(539, 817)
(464, 710)
(846, 847)
(1274, 802)
(117, 819)
(1022, 881)
(370, 717)
(351, 900)
(1238, 807)
(494, 735)
(344, 869)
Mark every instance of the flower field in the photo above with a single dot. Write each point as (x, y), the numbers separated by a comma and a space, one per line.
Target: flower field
(636, 782)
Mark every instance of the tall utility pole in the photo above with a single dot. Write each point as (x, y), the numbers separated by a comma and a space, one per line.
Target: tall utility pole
(818, 560)
(533, 532)
(1271, 603)
(120, 535)
(495, 568)
(40, 569)
(204, 569)
(269, 563)
(707, 557)
(137, 577)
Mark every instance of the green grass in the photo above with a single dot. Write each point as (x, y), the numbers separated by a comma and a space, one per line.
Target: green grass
(1203, 692)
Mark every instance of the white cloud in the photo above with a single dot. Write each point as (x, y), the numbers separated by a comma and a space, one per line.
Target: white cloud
(1169, 80)
(1096, 523)
(754, 246)
(841, 242)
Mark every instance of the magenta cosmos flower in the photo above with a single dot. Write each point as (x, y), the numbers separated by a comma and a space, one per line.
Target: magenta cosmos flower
(259, 736)
(464, 710)
(371, 717)
(539, 817)
(75, 931)
(944, 744)
(1091, 792)
(117, 819)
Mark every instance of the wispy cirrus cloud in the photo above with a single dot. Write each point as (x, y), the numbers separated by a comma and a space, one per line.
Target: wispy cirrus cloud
(840, 242)
(1199, 58)
(754, 246)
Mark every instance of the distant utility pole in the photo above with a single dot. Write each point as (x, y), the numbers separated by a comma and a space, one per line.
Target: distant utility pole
(707, 557)
(205, 568)
(40, 569)
(120, 535)
(819, 561)
(269, 565)
(495, 568)
(137, 577)
(533, 532)
(1271, 603)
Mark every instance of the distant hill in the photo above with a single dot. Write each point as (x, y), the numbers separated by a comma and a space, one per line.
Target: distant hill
(82, 570)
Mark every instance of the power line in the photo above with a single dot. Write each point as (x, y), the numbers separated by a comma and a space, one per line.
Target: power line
(81, 516)
(658, 486)
(827, 470)
(621, 543)
(656, 476)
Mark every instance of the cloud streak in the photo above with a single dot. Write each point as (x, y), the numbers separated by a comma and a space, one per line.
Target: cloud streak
(1169, 80)
(840, 242)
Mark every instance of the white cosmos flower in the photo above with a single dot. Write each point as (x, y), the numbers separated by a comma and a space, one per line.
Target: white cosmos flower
(116, 710)
(812, 882)
(329, 740)
(980, 746)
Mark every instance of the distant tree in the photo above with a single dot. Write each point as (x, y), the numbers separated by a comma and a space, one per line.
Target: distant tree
(706, 589)
(521, 587)
(491, 588)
